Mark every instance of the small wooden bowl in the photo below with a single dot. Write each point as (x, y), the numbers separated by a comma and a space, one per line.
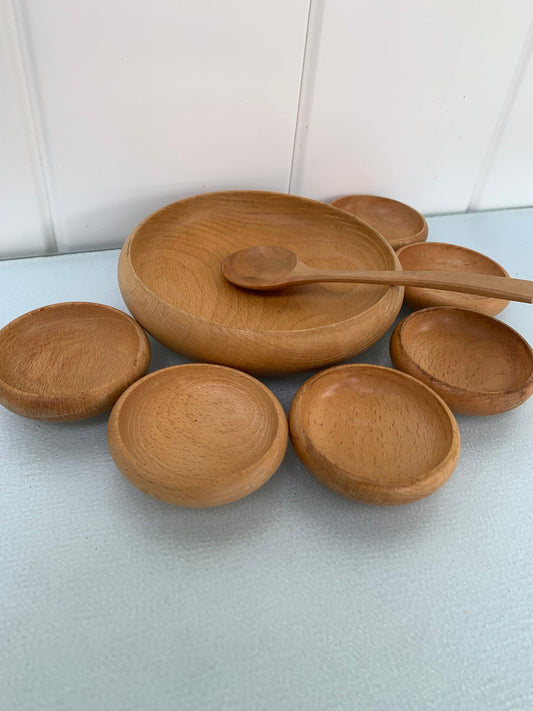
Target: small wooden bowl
(374, 434)
(69, 361)
(449, 258)
(198, 434)
(477, 364)
(171, 279)
(398, 223)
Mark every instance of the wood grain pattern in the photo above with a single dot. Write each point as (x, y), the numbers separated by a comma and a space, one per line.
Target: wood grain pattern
(374, 434)
(69, 361)
(198, 434)
(399, 223)
(170, 277)
(477, 364)
(267, 268)
(450, 257)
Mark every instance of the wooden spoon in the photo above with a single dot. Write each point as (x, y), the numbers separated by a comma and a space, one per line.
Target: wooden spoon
(267, 268)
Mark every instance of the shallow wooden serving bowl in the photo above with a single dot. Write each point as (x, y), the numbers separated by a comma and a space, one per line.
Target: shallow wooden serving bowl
(449, 258)
(171, 279)
(477, 364)
(69, 361)
(374, 434)
(198, 434)
(396, 221)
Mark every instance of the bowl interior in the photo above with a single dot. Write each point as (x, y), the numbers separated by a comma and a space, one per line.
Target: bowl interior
(177, 253)
(394, 220)
(68, 348)
(189, 421)
(376, 424)
(467, 350)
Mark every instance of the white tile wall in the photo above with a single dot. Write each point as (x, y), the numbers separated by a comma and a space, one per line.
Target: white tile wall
(24, 221)
(508, 181)
(113, 108)
(402, 98)
(146, 102)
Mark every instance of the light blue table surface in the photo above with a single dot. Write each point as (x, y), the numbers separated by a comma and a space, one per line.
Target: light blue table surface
(293, 598)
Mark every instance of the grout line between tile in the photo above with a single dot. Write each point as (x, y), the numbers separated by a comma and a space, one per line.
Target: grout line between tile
(305, 97)
(508, 103)
(33, 124)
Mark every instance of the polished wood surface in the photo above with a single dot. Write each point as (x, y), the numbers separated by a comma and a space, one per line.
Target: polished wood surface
(442, 256)
(69, 361)
(399, 223)
(198, 434)
(170, 277)
(374, 434)
(477, 364)
(267, 268)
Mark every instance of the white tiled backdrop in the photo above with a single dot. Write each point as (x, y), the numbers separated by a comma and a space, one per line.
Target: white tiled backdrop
(112, 108)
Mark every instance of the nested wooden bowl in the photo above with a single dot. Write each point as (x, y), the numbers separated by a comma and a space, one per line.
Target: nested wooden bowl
(399, 223)
(374, 434)
(477, 364)
(69, 361)
(198, 434)
(170, 277)
(449, 258)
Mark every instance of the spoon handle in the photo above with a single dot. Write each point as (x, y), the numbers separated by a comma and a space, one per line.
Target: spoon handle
(480, 284)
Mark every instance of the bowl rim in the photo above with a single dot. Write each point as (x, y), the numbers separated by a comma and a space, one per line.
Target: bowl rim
(446, 387)
(279, 439)
(36, 399)
(127, 247)
(450, 458)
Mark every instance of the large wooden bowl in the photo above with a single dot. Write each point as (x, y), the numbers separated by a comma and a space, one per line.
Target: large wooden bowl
(170, 277)
(374, 434)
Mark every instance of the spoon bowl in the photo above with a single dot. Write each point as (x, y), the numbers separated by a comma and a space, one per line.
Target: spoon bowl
(477, 364)
(374, 434)
(452, 258)
(69, 361)
(399, 224)
(198, 434)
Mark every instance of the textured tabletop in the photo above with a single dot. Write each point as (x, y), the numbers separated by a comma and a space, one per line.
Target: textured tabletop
(293, 598)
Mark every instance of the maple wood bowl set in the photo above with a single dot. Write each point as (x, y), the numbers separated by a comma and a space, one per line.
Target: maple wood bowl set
(207, 433)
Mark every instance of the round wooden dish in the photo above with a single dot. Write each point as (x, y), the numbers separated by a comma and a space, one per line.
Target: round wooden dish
(198, 434)
(477, 364)
(374, 434)
(170, 277)
(449, 258)
(69, 361)
(397, 222)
